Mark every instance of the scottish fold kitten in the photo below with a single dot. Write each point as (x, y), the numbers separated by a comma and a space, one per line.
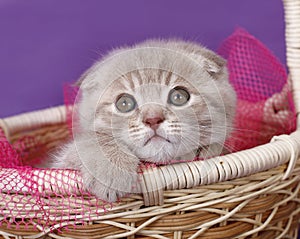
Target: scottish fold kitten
(159, 101)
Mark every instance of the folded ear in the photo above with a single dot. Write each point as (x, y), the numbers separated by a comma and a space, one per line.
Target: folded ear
(214, 64)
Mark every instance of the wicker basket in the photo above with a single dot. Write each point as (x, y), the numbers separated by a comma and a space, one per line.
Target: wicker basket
(249, 194)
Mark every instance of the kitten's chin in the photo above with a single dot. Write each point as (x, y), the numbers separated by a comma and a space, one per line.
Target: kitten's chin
(160, 151)
(156, 150)
(157, 140)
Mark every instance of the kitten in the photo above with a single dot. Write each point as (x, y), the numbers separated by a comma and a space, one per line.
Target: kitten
(157, 101)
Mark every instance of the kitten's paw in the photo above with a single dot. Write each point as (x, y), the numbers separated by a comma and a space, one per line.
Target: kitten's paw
(107, 194)
(111, 189)
(107, 172)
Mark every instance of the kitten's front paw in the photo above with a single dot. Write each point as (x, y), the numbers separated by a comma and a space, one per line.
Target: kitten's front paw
(107, 171)
(112, 188)
(107, 194)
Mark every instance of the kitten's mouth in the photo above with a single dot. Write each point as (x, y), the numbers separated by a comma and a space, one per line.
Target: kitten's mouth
(156, 138)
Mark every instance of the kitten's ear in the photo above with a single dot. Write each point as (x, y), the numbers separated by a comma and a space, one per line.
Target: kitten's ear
(214, 64)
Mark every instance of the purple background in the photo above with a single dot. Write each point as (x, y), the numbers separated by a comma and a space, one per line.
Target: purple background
(44, 44)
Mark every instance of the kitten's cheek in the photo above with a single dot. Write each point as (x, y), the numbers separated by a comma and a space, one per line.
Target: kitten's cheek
(175, 139)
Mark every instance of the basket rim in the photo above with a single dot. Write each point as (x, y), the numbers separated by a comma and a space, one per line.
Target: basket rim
(282, 149)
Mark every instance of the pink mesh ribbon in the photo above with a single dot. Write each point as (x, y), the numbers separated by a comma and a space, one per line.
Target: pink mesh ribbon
(9, 158)
(265, 107)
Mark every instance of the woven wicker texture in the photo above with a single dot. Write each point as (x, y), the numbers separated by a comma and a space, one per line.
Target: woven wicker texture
(249, 194)
(242, 206)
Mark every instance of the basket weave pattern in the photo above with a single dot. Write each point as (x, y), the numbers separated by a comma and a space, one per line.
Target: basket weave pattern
(252, 194)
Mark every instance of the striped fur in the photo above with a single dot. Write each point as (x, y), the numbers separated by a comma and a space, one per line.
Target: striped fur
(107, 140)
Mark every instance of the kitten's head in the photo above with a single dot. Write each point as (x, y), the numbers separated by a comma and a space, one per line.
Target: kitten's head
(158, 100)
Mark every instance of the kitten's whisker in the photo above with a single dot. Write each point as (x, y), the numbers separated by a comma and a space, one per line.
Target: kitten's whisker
(190, 141)
(191, 149)
(188, 147)
(229, 148)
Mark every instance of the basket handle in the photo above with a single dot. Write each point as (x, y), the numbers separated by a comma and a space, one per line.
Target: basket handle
(292, 36)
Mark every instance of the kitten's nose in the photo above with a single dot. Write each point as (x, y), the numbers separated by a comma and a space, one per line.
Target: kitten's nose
(154, 122)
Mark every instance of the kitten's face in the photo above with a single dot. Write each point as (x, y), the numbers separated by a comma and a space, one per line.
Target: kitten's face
(157, 114)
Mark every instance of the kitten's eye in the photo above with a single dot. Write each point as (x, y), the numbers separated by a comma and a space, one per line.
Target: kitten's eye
(125, 103)
(178, 96)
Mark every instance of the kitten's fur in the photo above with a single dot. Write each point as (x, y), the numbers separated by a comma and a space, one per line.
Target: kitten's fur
(108, 145)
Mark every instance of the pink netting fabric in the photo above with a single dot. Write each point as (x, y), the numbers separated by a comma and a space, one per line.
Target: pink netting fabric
(27, 194)
(8, 156)
(265, 108)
